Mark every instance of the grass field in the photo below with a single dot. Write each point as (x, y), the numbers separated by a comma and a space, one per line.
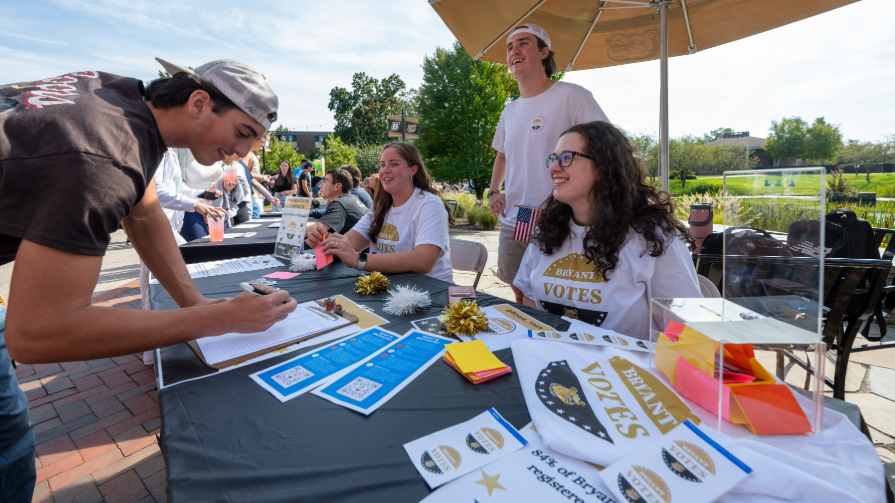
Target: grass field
(881, 183)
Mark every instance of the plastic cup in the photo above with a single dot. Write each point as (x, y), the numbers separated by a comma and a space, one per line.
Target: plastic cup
(215, 229)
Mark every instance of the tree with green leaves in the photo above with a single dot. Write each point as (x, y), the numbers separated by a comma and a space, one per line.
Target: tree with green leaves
(368, 158)
(277, 152)
(460, 101)
(361, 112)
(338, 153)
(646, 150)
(716, 134)
(793, 139)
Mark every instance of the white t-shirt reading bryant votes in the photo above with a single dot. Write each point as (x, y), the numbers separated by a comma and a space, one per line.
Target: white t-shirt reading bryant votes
(422, 220)
(527, 134)
(565, 283)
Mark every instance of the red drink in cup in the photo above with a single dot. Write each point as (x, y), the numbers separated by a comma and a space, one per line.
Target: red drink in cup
(216, 229)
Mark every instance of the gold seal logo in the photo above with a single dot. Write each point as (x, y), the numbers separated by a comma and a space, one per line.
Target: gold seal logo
(698, 455)
(575, 267)
(568, 396)
(654, 482)
(495, 436)
(451, 454)
(389, 232)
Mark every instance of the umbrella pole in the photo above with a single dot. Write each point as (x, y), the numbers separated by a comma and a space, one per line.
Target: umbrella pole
(664, 164)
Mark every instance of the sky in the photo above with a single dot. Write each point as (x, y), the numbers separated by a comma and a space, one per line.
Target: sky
(839, 65)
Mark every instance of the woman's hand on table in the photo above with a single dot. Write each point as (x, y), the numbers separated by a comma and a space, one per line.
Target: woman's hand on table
(251, 312)
(315, 234)
(339, 246)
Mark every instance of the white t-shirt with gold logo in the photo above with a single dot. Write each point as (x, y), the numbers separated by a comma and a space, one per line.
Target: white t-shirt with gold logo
(565, 283)
(422, 220)
(527, 132)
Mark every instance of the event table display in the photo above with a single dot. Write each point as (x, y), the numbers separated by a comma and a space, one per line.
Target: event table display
(227, 438)
(255, 237)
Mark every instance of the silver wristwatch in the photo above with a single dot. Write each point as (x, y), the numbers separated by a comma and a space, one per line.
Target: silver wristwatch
(362, 261)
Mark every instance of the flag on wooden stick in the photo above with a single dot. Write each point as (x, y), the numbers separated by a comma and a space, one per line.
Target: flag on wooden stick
(526, 219)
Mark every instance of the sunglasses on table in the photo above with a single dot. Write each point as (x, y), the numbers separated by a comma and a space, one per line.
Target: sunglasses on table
(565, 158)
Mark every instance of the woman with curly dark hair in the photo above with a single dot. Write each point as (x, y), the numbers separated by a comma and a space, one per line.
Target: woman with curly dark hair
(606, 241)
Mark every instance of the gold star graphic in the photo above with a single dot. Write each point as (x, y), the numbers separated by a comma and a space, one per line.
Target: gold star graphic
(491, 483)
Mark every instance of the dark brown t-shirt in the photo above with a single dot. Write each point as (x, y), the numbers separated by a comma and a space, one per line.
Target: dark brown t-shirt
(76, 154)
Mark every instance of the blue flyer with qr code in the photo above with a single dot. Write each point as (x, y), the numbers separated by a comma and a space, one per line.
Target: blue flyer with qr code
(293, 377)
(372, 383)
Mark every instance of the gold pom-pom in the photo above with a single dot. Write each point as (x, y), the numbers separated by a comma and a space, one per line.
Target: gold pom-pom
(371, 284)
(464, 318)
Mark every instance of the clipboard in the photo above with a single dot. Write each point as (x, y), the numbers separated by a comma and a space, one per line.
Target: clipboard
(346, 317)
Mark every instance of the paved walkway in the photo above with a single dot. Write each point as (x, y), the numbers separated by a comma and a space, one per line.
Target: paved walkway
(96, 422)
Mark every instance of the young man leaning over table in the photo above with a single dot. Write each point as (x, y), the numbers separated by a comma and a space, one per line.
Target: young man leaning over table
(77, 157)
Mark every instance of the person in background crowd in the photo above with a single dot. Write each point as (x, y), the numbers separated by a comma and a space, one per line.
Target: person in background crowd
(176, 198)
(243, 207)
(372, 186)
(284, 184)
(359, 192)
(252, 166)
(63, 194)
(202, 179)
(607, 241)
(527, 130)
(408, 227)
(343, 210)
(303, 179)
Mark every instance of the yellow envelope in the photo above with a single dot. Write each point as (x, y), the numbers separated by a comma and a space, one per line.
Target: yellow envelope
(473, 356)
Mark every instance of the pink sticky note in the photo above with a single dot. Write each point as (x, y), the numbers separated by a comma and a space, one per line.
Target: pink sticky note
(695, 385)
(282, 275)
(323, 259)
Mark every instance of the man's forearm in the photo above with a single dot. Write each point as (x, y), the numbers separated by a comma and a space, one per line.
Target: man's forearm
(153, 240)
(96, 332)
(498, 172)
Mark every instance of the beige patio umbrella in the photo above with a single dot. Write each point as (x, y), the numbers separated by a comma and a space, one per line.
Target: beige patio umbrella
(595, 33)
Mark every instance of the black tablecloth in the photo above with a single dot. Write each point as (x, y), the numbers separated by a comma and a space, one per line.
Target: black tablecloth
(262, 243)
(224, 438)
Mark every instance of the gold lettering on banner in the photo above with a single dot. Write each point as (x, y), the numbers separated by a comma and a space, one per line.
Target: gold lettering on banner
(661, 405)
(522, 318)
(572, 293)
(575, 267)
(623, 418)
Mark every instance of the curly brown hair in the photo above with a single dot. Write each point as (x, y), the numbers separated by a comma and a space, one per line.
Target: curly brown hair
(621, 198)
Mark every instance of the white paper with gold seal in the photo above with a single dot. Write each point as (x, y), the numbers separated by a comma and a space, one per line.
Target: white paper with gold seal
(599, 404)
(685, 465)
(447, 454)
(533, 474)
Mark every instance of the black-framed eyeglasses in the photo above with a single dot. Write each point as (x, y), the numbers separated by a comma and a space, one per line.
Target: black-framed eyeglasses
(565, 158)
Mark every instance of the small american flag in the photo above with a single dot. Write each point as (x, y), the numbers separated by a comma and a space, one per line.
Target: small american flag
(525, 223)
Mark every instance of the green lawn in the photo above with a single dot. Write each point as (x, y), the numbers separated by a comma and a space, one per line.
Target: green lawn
(881, 183)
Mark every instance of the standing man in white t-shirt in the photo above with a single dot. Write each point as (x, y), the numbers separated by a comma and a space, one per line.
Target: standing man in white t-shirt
(526, 134)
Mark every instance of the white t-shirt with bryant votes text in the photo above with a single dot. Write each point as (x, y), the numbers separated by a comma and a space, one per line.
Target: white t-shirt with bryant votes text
(527, 133)
(566, 283)
(422, 220)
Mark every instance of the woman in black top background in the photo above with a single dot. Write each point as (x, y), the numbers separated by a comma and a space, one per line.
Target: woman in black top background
(284, 184)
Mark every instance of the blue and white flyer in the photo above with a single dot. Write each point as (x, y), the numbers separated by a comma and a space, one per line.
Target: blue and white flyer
(452, 452)
(299, 375)
(372, 383)
(684, 465)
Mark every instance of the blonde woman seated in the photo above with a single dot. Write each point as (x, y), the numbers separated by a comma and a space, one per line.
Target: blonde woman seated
(606, 241)
(407, 230)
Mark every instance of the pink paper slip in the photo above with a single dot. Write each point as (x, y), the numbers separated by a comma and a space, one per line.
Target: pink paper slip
(282, 275)
(323, 259)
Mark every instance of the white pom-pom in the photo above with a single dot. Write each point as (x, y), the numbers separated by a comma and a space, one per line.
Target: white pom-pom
(404, 300)
(302, 262)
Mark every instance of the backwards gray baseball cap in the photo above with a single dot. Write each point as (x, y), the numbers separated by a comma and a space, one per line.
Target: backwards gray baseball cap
(246, 88)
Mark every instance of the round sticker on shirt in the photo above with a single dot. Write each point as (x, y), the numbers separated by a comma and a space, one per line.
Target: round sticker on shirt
(537, 123)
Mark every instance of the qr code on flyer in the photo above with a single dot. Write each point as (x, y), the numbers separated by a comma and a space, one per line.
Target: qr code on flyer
(290, 377)
(359, 389)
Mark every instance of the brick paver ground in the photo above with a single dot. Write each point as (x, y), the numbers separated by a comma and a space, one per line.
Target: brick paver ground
(96, 425)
